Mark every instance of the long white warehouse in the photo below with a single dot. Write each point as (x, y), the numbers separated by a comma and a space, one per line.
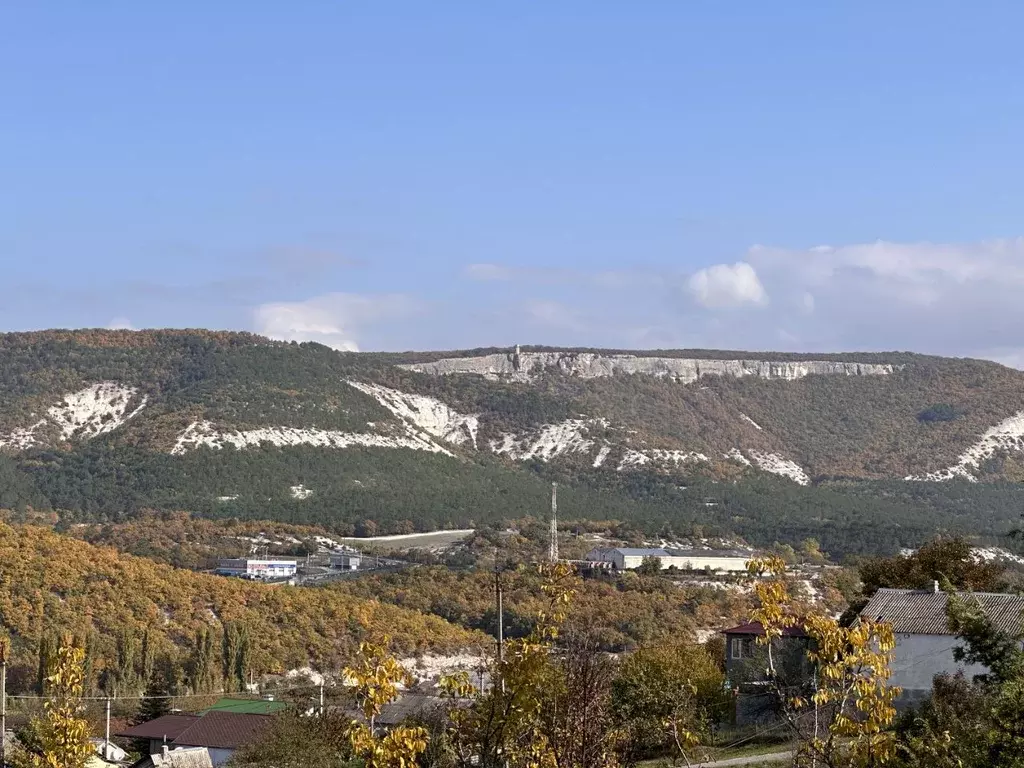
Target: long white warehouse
(628, 558)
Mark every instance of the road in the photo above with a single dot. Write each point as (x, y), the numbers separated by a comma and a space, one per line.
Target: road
(773, 757)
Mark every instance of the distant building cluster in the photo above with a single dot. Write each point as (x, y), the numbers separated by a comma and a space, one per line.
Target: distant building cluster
(261, 569)
(346, 561)
(629, 558)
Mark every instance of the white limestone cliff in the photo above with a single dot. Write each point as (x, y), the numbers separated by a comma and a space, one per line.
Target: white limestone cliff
(95, 410)
(201, 434)
(425, 413)
(549, 441)
(524, 366)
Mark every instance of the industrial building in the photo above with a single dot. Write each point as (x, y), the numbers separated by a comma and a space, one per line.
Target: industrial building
(628, 558)
(249, 568)
(346, 561)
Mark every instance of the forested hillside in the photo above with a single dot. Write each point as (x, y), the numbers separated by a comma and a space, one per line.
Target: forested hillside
(51, 585)
(101, 425)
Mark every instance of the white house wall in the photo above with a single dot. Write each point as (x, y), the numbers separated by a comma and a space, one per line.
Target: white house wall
(731, 564)
(917, 659)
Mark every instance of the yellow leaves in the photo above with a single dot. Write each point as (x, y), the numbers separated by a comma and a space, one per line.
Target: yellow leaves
(64, 736)
(852, 672)
(376, 680)
(772, 597)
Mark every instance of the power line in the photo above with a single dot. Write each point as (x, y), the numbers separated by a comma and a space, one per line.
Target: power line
(222, 694)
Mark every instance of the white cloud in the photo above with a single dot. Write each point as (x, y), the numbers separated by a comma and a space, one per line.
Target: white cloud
(335, 319)
(120, 324)
(726, 286)
(963, 299)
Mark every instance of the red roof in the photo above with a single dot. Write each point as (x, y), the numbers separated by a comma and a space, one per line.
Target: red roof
(223, 730)
(167, 727)
(756, 628)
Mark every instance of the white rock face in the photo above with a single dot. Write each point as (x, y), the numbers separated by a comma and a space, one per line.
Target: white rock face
(997, 554)
(301, 492)
(660, 458)
(20, 439)
(602, 455)
(525, 366)
(432, 666)
(93, 411)
(737, 455)
(204, 434)
(751, 422)
(549, 441)
(777, 465)
(425, 413)
(1008, 435)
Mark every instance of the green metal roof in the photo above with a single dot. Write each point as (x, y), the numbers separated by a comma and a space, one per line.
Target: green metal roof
(247, 706)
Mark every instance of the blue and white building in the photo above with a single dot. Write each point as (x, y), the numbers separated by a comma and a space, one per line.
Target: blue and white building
(264, 569)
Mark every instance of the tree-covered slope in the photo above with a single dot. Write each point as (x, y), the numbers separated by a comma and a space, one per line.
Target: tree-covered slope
(103, 424)
(51, 584)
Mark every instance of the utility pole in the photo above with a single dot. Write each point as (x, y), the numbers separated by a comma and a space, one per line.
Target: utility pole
(321, 698)
(106, 734)
(553, 554)
(3, 704)
(498, 603)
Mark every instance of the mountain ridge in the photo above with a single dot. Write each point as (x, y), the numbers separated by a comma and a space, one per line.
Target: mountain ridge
(108, 422)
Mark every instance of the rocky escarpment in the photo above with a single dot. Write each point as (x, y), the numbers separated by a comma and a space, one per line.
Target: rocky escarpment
(524, 366)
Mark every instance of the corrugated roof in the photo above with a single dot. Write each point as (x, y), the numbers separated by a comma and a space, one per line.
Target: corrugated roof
(409, 707)
(923, 612)
(708, 553)
(167, 727)
(756, 628)
(193, 757)
(641, 551)
(223, 730)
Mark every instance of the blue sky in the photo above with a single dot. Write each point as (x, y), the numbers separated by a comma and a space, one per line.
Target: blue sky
(395, 175)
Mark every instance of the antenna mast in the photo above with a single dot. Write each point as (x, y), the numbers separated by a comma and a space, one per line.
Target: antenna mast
(553, 545)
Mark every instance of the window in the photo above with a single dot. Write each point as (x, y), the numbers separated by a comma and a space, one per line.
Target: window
(742, 648)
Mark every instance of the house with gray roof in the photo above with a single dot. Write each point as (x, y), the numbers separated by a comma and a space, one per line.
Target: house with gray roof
(924, 642)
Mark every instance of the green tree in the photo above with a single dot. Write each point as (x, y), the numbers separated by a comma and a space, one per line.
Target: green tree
(949, 560)
(649, 566)
(666, 697)
(146, 657)
(236, 650)
(126, 677)
(156, 701)
(202, 673)
(498, 728)
(45, 659)
(296, 740)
